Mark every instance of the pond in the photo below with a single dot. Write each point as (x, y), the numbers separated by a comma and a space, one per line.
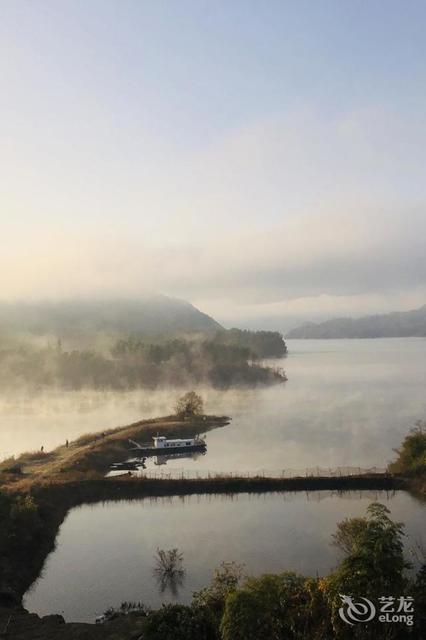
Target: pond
(105, 553)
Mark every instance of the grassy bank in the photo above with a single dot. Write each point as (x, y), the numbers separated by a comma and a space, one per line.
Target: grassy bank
(235, 606)
(38, 489)
(90, 456)
(53, 501)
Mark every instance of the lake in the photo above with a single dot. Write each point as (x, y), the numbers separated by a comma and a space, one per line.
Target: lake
(346, 403)
(106, 553)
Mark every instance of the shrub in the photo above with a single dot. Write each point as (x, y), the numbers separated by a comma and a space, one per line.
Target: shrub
(189, 405)
(412, 454)
(169, 569)
(374, 565)
(225, 581)
(179, 622)
(283, 606)
(124, 609)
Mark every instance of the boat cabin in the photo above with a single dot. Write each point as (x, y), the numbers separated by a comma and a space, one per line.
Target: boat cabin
(161, 442)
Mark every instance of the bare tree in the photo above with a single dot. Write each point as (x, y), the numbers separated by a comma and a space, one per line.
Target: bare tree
(169, 570)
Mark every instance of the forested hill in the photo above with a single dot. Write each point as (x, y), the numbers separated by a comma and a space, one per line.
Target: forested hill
(148, 315)
(391, 325)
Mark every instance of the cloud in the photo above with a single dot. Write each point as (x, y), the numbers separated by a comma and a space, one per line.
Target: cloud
(333, 255)
(302, 162)
(277, 214)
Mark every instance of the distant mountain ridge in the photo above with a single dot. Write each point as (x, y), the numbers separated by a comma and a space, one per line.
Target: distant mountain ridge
(399, 324)
(149, 315)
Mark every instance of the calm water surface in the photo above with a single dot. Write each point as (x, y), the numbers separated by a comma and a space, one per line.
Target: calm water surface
(106, 553)
(346, 403)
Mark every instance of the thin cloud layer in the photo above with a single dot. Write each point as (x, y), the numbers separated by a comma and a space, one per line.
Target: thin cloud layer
(285, 210)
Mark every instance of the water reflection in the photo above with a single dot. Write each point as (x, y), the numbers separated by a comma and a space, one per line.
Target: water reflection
(98, 562)
(137, 466)
(163, 460)
(169, 571)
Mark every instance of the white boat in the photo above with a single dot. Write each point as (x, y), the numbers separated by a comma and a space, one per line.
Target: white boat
(163, 445)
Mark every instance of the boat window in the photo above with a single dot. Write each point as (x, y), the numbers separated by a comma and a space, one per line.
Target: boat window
(188, 443)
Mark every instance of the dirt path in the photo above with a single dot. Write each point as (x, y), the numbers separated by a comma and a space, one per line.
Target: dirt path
(90, 456)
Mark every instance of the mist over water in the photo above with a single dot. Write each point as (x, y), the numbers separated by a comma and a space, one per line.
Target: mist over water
(346, 402)
(48, 418)
(156, 153)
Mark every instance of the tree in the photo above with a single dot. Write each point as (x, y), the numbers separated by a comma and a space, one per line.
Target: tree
(375, 563)
(373, 567)
(189, 405)
(348, 534)
(286, 606)
(178, 622)
(260, 344)
(225, 581)
(412, 454)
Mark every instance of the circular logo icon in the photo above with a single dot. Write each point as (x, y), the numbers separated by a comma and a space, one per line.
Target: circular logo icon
(352, 612)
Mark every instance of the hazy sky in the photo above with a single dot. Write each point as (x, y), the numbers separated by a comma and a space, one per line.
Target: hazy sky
(264, 160)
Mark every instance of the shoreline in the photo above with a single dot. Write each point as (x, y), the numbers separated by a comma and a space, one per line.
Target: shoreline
(71, 476)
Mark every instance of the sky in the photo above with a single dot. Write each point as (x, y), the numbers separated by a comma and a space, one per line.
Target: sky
(265, 161)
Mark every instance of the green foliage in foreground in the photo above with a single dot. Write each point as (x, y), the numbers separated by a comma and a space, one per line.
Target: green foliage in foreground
(284, 605)
(412, 454)
(20, 521)
(289, 606)
(179, 622)
(374, 566)
(21, 532)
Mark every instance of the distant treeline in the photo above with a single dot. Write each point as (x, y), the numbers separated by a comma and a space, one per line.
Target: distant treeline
(228, 359)
(261, 344)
